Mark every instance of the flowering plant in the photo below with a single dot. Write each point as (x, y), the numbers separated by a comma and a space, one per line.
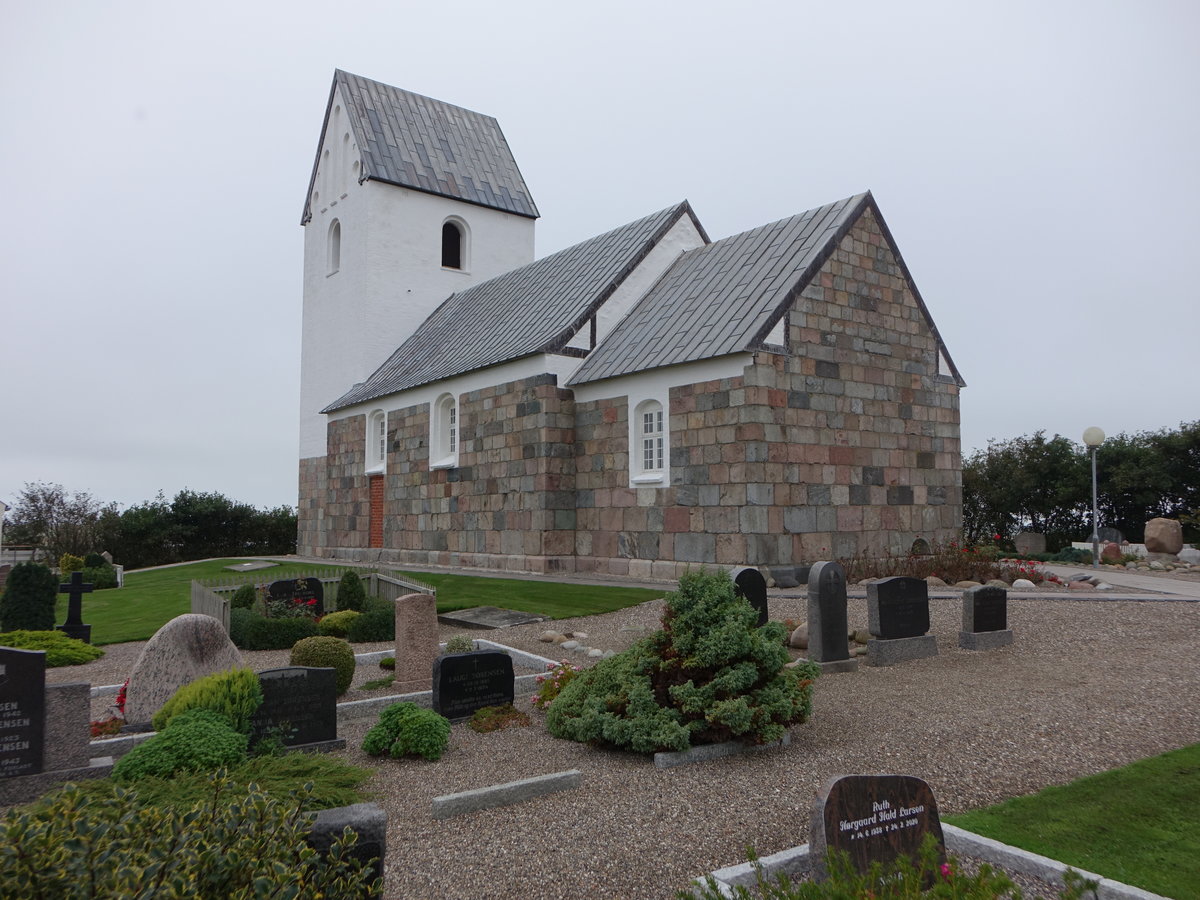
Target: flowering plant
(558, 675)
(289, 607)
(121, 697)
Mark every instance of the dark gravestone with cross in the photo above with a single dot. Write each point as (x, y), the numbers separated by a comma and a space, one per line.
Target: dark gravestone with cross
(466, 682)
(828, 642)
(985, 619)
(74, 627)
(749, 583)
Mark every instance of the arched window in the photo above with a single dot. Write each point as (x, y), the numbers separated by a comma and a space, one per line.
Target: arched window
(335, 246)
(648, 449)
(377, 441)
(452, 241)
(444, 439)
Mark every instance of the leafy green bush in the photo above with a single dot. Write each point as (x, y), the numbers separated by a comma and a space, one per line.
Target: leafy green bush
(327, 652)
(240, 621)
(460, 643)
(377, 622)
(260, 633)
(337, 624)
(405, 729)
(102, 578)
(244, 597)
(28, 599)
(197, 740)
(1072, 556)
(235, 695)
(350, 593)
(68, 563)
(94, 560)
(237, 842)
(708, 676)
(60, 650)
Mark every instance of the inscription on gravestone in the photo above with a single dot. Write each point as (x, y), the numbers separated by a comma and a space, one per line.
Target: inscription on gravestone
(898, 607)
(465, 682)
(873, 818)
(299, 706)
(985, 609)
(22, 711)
(749, 583)
(301, 591)
(827, 618)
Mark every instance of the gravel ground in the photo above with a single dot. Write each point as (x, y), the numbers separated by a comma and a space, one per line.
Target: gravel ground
(1088, 685)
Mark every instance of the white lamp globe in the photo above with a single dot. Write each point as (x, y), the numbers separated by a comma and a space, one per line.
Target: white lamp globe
(1093, 436)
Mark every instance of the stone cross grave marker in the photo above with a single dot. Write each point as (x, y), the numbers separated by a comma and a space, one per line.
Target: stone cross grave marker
(465, 682)
(749, 583)
(828, 629)
(22, 711)
(307, 591)
(299, 706)
(985, 619)
(416, 642)
(898, 619)
(74, 627)
(872, 818)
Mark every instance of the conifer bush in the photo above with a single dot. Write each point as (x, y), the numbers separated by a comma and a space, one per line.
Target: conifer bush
(327, 652)
(102, 577)
(60, 650)
(243, 597)
(338, 623)
(94, 560)
(234, 695)
(198, 740)
(709, 675)
(351, 594)
(405, 729)
(68, 563)
(28, 599)
(377, 623)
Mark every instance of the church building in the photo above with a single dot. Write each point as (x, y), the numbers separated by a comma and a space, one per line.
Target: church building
(644, 401)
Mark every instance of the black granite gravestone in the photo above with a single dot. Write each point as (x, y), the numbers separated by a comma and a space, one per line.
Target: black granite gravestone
(827, 619)
(985, 609)
(301, 591)
(465, 682)
(299, 706)
(74, 627)
(897, 607)
(22, 711)
(749, 583)
(872, 818)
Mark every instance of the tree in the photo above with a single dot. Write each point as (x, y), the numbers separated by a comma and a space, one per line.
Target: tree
(48, 517)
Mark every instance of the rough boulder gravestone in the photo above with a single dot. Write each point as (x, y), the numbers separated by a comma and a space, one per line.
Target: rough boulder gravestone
(465, 682)
(898, 619)
(828, 629)
(985, 619)
(872, 818)
(749, 583)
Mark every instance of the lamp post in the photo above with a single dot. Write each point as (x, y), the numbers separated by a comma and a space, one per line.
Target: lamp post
(1094, 437)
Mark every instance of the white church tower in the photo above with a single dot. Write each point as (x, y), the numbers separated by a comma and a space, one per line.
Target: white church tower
(410, 200)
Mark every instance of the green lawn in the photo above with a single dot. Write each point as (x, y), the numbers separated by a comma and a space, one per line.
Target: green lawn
(153, 597)
(1139, 824)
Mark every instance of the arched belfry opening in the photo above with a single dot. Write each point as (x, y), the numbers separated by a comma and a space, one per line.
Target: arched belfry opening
(452, 246)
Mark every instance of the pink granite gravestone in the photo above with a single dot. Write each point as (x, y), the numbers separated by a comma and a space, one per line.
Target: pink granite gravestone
(416, 642)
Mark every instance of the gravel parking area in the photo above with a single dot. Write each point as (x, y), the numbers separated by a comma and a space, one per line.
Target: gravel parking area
(1088, 685)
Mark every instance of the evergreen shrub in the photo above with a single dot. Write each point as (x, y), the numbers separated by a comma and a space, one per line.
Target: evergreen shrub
(198, 740)
(337, 623)
(94, 561)
(460, 643)
(1072, 556)
(377, 622)
(68, 563)
(28, 599)
(235, 695)
(60, 650)
(708, 676)
(237, 842)
(101, 578)
(350, 593)
(244, 597)
(405, 729)
(239, 626)
(327, 652)
(276, 634)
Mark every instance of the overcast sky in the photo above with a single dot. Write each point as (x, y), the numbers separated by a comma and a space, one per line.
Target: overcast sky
(1037, 162)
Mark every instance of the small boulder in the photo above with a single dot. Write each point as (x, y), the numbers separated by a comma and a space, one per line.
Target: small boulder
(968, 584)
(860, 636)
(547, 637)
(997, 582)
(561, 639)
(185, 649)
(569, 645)
(799, 637)
(1080, 585)
(1164, 536)
(1104, 586)
(1111, 553)
(1023, 584)
(934, 581)
(1189, 555)
(595, 653)
(579, 635)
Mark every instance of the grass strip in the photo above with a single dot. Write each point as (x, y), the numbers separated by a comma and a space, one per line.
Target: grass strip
(1139, 824)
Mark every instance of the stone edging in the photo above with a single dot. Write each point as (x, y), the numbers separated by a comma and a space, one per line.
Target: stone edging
(795, 861)
(505, 794)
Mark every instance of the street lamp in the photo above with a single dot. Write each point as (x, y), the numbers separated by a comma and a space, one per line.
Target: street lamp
(1094, 437)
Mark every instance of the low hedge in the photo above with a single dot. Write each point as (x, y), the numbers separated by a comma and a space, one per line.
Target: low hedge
(250, 631)
(376, 623)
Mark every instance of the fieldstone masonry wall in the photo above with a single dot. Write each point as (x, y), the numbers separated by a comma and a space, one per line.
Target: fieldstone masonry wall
(848, 443)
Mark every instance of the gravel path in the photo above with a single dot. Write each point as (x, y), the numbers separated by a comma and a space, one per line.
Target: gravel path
(1087, 686)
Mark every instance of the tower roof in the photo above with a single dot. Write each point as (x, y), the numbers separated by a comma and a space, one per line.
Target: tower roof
(427, 145)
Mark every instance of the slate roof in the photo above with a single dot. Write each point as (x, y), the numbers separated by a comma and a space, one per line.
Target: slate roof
(537, 308)
(726, 297)
(427, 145)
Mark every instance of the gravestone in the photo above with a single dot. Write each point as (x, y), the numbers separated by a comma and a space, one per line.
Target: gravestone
(416, 642)
(872, 818)
(465, 682)
(22, 711)
(985, 619)
(898, 619)
(1111, 535)
(1029, 542)
(300, 707)
(749, 583)
(828, 628)
(300, 591)
(74, 627)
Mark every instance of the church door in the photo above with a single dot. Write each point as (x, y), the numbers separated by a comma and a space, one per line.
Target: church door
(376, 536)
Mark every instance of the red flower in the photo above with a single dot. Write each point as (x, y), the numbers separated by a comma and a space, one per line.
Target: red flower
(312, 602)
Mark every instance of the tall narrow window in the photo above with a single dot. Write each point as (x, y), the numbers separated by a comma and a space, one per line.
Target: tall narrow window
(649, 444)
(452, 246)
(376, 441)
(652, 438)
(335, 246)
(444, 438)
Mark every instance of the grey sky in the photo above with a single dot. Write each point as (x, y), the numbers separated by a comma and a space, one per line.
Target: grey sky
(1036, 162)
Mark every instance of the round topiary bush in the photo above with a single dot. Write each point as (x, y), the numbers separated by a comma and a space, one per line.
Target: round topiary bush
(337, 624)
(244, 597)
(235, 695)
(28, 599)
(327, 652)
(350, 593)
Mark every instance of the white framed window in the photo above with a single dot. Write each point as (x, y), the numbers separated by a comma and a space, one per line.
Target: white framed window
(648, 446)
(443, 442)
(456, 244)
(334, 250)
(377, 441)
